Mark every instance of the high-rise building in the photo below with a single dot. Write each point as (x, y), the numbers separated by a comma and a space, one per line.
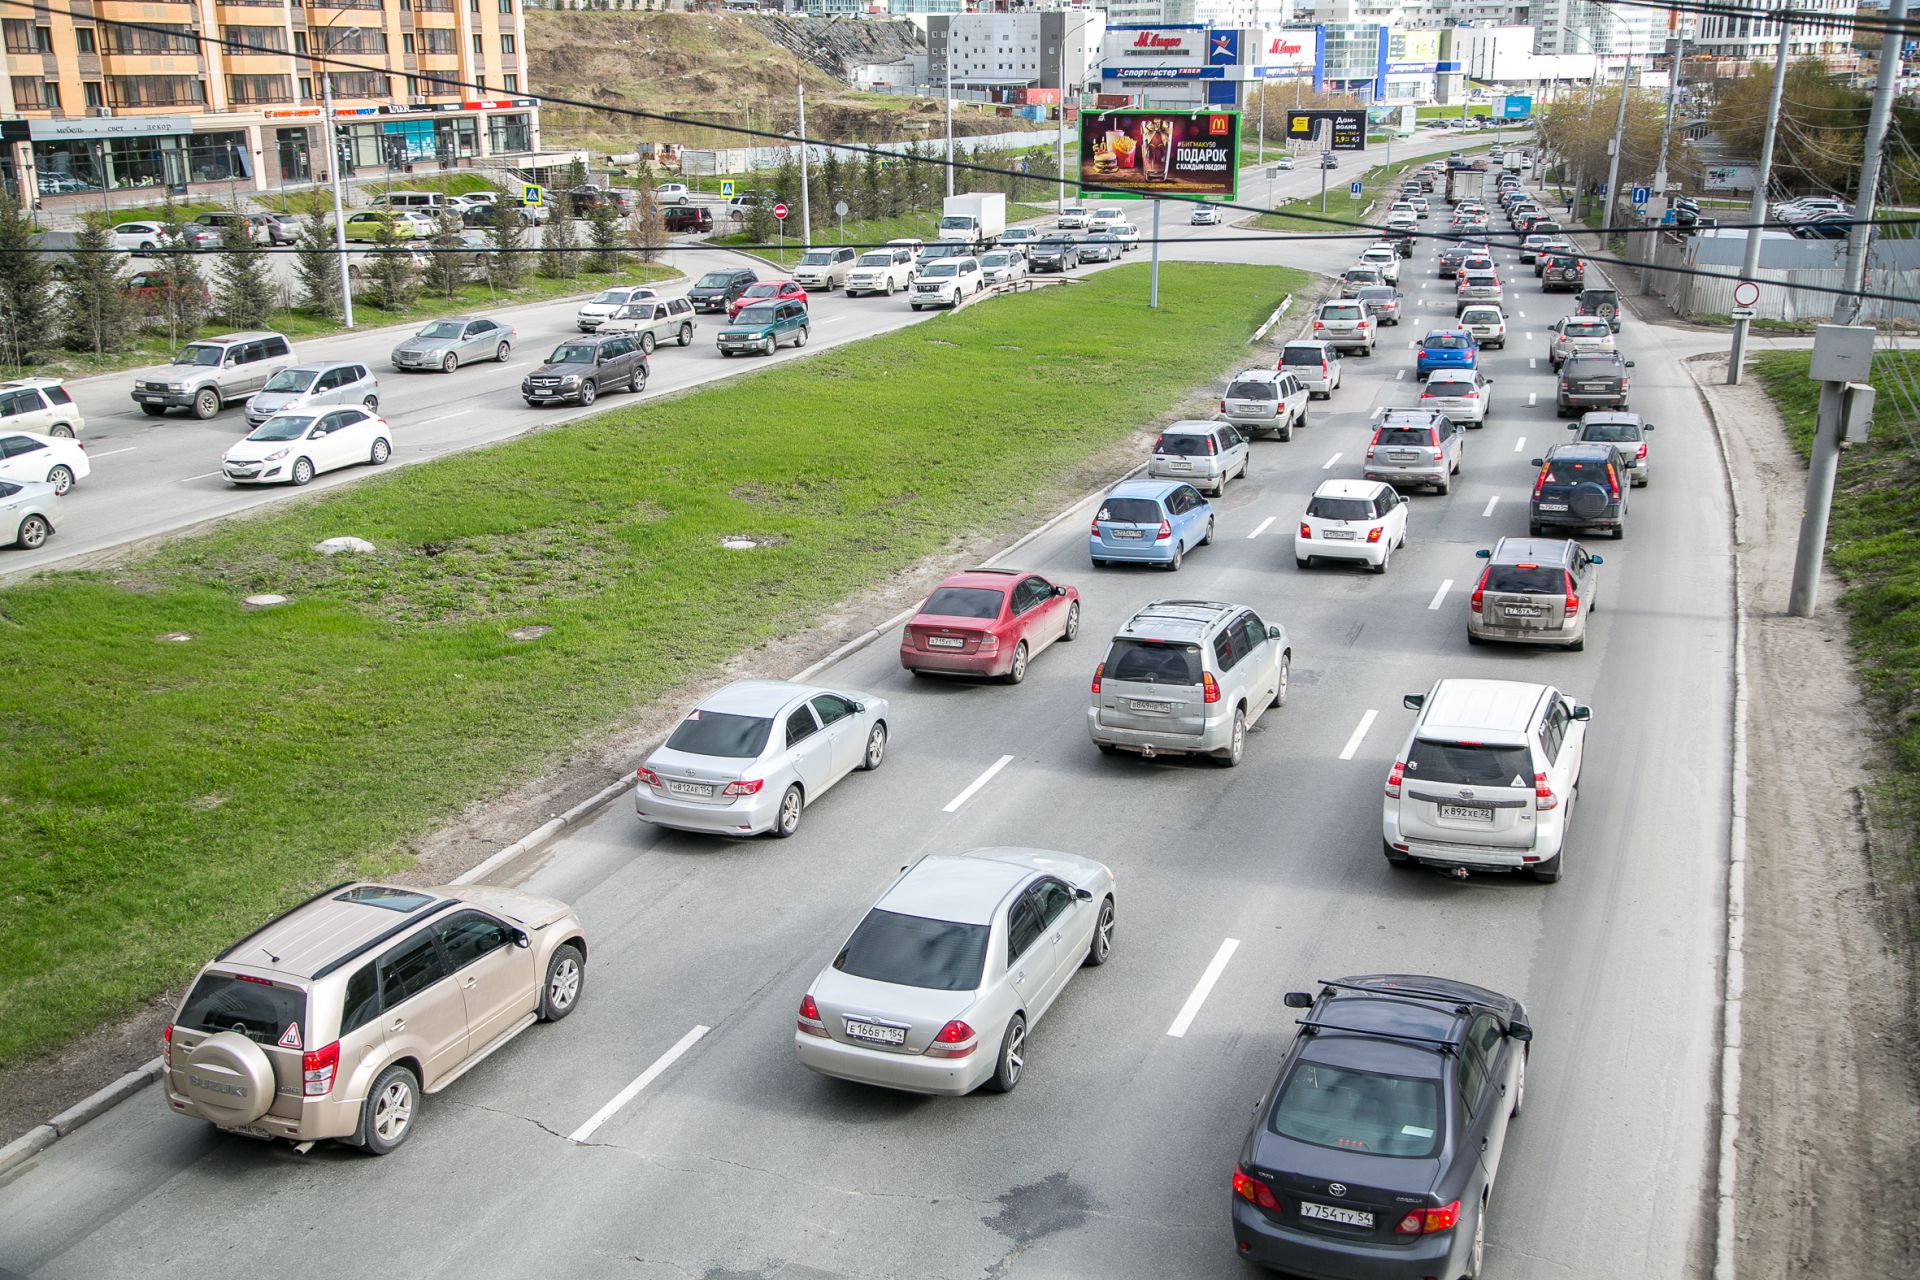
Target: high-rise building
(1746, 37)
(1586, 26)
(1016, 50)
(121, 101)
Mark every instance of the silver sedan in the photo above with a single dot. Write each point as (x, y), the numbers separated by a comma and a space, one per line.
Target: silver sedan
(752, 756)
(447, 344)
(938, 987)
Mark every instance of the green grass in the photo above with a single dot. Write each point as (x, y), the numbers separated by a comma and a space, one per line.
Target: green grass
(162, 798)
(184, 210)
(1873, 544)
(868, 231)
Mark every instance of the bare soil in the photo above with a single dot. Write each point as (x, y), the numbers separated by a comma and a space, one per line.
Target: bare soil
(1829, 1185)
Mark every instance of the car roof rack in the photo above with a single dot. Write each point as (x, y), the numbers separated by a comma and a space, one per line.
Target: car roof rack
(1315, 1025)
(1420, 993)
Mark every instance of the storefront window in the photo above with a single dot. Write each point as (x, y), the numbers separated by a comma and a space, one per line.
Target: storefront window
(66, 167)
(508, 134)
(455, 138)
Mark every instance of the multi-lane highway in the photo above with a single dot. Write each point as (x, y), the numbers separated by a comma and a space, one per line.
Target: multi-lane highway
(1113, 1158)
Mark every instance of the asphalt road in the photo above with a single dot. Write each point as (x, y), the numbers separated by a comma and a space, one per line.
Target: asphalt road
(1113, 1157)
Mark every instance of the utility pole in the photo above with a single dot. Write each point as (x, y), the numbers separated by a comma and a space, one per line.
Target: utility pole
(1750, 261)
(1666, 130)
(949, 97)
(339, 215)
(1060, 197)
(1847, 310)
(1260, 157)
(806, 210)
(1618, 145)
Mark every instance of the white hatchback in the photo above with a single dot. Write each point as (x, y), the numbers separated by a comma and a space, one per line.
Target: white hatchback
(1464, 395)
(673, 193)
(26, 458)
(1362, 520)
(293, 448)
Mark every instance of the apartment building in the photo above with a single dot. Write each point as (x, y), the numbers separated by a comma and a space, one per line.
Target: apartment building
(117, 101)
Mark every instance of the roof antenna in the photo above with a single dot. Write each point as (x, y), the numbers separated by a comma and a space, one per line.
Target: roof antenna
(271, 956)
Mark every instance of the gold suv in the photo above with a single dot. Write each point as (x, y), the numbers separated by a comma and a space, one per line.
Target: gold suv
(331, 1020)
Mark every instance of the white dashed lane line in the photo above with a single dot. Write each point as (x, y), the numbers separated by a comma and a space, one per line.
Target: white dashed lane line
(1519, 444)
(1533, 398)
(1328, 464)
(1201, 989)
(1260, 528)
(1358, 735)
(632, 1091)
(977, 783)
(1441, 594)
(95, 457)
(1492, 502)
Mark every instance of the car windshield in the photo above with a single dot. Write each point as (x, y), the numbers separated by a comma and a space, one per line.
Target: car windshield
(875, 260)
(283, 426)
(613, 295)
(1471, 764)
(996, 260)
(294, 380)
(1153, 661)
(913, 951)
(1612, 432)
(762, 314)
(198, 354)
(1340, 509)
(1183, 444)
(1526, 579)
(1404, 435)
(816, 259)
(1382, 1115)
(941, 269)
(573, 353)
(722, 734)
(1130, 511)
(1446, 342)
(715, 280)
(441, 329)
(964, 602)
(1303, 355)
(1253, 391)
(261, 1012)
(1334, 311)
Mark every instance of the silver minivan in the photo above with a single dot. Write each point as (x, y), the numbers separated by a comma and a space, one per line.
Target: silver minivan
(1204, 454)
(1316, 364)
(313, 386)
(1188, 677)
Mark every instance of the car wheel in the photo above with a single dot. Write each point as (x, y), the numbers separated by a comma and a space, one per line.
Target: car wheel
(1100, 950)
(1018, 671)
(1107, 748)
(1305, 562)
(566, 977)
(380, 452)
(386, 1118)
(686, 333)
(1472, 638)
(767, 347)
(206, 403)
(588, 394)
(646, 343)
(787, 821)
(1445, 486)
(1236, 749)
(61, 478)
(1548, 872)
(1620, 531)
(33, 533)
(1207, 541)
(449, 362)
(1073, 622)
(500, 352)
(876, 746)
(1386, 554)
(302, 472)
(61, 431)
(1520, 1084)
(1283, 684)
(1173, 565)
(153, 410)
(1477, 1254)
(806, 331)
(371, 404)
(1013, 1057)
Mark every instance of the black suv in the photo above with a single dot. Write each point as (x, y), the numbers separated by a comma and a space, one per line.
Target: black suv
(1582, 486)
(681, 218)
(1375, 1149)
(1055, 253)
(1593, 380)
(581, 368)
(716, 290)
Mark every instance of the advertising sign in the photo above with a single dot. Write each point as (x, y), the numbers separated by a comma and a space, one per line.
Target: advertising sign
(1349, 127)
(1292, 50)
(1516, 106)
(1162, 43)
(1412, 51)
(1165, 153)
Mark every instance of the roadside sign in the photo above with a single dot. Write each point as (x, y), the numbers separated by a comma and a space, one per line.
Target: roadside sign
(1642, 194)
(726, 188)
(840, 209)
(1742, 313)
(780, 212)
(1603, 189)
(1355, 188)
(1746, 293)
(531, 193)
(1516, 106)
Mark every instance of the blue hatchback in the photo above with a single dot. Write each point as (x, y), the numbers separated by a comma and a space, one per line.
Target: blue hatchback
(1149, 521)
(1447, 349)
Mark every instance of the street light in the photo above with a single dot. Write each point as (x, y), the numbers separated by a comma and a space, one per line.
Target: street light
(330, 39)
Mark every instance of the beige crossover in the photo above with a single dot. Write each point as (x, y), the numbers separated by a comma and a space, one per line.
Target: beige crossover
(332, 1020)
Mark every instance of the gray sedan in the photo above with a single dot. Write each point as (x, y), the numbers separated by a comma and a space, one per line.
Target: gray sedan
(755, 754)
(938, 987)
(447, 344)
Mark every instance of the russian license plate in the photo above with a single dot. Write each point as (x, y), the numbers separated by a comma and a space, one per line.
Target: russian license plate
(1340, 535)
(945, 642)
(689, 788)
(1179, 464)
(1466, 813)
(1524, 611)
(1140, 704)
(1403, 455)
(876, 1034)
(1553, 506)
(1124, 533)
(1336, 1213)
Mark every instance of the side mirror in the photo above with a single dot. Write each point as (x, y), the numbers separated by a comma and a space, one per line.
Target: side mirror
(1646, 426)
(1582, 713)
(859, 708)
(1539, 462)
(1520, 1031)
(1597, 559)
(520, 938)
(1629, 364)
(1298, 1000)
(1274, 633)
(1573, 426)
(1483, 554)
(1085, 895)
(1059, 591)
(1414, 701)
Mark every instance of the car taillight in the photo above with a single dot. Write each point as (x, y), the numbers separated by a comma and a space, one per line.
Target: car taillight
(1643, 451)
(1098, 671)
(1373, 534)
(1479, 588)
(1439, 455)
(1369, 453)
(1426, 1222)
(1223, 406)
(1393, 779)
(1253, 1191)
(1469, 395)
(1543, 797)
(1323, 368)
(1094, 532)
(1166, 531)
(750, 787)
(318, 1067)
(1213, 446)
(1318, 325)
(1540, 483)
(1613, 481)
(1210, 687)
(1306, 530)
(646, 775)
(166, 1044)
(1573, 597)
(809, 1019)
(955, 1040)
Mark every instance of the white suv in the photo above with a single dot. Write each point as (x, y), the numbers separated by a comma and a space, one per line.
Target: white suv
(947, 282)
(39, 405)
(1487, 779)
(881, 271)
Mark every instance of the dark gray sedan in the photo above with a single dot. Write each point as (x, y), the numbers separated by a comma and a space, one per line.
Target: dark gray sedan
(1383, 301)
(447, 344)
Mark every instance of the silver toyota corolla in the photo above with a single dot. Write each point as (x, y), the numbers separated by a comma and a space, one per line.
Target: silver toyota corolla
(938, 987)
(447, 344)
(755, 754)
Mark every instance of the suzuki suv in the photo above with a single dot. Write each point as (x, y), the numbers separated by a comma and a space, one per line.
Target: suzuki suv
(1188, 677)
(1580, 486)
(331, 1021)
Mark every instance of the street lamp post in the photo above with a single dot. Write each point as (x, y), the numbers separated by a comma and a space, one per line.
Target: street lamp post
(333, 166)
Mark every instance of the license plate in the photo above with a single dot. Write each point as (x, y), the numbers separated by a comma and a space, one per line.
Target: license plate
(1139, 704)
(1179, 464)
(945, 642)
(874, 1033)
(1466, 813)
(1124, 533)
(1553, 506)
(1340, 535)
(1336, 1213)
(1404, 455)
(144, 398)
(689, 788)
(1524, 611)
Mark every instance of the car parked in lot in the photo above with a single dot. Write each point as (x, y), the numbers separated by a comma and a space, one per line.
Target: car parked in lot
(447, 344)
(1580, 486)
(765, 327)
(673, 193)
(579, 370)
(1487, 779)
(139, 237)
(1534, 591)
(1626, 432)
(213, 372)
(331, 1020)
(1316, 363)
(43, 405)
(1149, 522)
(768, 291)
(1362, 520)
(884, 271)
(752, 756)
(988, 622)
(293, 448)
(826, 268)
(1188, 677)
(716, 290)
(1593, 380)
(1446, 349)
(316, 385)
(404, 224)
(1205, 454)
(1346, 325)
(1272, 401)
(1375, 1150)
(938, 988)
(947, 283)
(1415, 447)
(1464, 395)
(692, 219)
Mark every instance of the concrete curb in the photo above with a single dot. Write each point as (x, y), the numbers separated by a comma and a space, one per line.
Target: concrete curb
(97, 1104)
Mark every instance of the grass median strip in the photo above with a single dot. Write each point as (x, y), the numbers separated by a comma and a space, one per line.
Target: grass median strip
(163, 797)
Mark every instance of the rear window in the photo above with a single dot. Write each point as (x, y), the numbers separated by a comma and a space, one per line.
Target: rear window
(261, 1012)
(1473, 764)
(1351, 311)
(1131, 511)
(1254, 391)
(1340, 509)
(1590, 367)
(1383, 1115)
(1530, 579)
(1404, 435)
(1569, 471)
(1311, 356)
(1446, 342)
(1588, 329)
(1612, 432)
(1153, 662)
(964, 602)
(718, 733)
(913, 951)
(1182, 445)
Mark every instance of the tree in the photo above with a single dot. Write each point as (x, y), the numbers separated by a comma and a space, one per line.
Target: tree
(97, 313)
(760, 220)
(316, 265)
(647, 225)
(876, 201)
(26, 294)
(247, 289)
(180, 290)
(603, 233)
(1821, 136)
(393, 269)
(509, 235)
(558, 261)
(446, 267)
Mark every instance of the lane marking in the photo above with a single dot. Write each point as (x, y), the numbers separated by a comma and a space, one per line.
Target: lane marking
(1359, 733)
(1519, 444)
(109, 453)
(443, 418)
(1215, 967)
(1261, 528)
(1492, 502)
(1529, 335)
(1441, 594)
(1330, 461)
(1523, 315)
(1399, 374)
(1533, 398)
(641, 1081)
(202, 476)
(1533, 362)
(977, 783)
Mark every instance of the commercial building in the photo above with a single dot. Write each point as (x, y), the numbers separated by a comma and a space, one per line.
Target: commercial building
(1744, 37)
(1505, 56)
(1016, 50)
(1185, 66)
(121, 101)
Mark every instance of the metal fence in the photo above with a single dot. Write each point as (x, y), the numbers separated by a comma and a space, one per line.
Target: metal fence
(1787, 268)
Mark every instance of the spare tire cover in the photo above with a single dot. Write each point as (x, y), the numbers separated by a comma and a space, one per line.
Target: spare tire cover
(1588, 500)
(229, 1079)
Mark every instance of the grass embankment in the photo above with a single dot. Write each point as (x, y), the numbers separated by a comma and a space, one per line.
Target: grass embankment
(869, 231)
(162, 798)
(1873, 544)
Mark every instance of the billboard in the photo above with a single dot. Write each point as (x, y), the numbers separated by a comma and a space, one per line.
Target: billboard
(1412, 51)
(1516, 106)
(1178, 44)
(1292, 50)
(1194, 154)
(1349, 127)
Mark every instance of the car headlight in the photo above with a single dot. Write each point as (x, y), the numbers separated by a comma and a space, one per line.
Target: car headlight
(570, 379)
(278, 454)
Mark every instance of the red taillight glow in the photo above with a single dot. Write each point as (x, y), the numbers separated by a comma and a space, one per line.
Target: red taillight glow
(1210, 688)
(1543, 797)
(166, 1044)
(1373, 534)
(1439, 456)
(646, 775)
(1306, 530)
(955, 1040)
(1613, 482)
(1097, 673)
(1643, 451)
(1573, 598)
(1094, 531)
(247, 977)
(1480, 587)
(749, 787)
(1318, 325)
(1223, 406)
(809, 1019)
(318, 1067)
(1394, 777)
(1253, 1191)
(1166, 531)
(1425, 1222)
(1540, 483)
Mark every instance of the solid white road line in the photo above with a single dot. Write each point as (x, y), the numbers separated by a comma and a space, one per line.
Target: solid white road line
(977, 783)
(1519, 444)
(1330, 461)
(1492, 502)
(1359, 733)
(202, 476)
(1260, 528)
(109, 453)
(1533, 398)
(645, 1078)
(1441, 594)
(427, 422)
(1184, 1018)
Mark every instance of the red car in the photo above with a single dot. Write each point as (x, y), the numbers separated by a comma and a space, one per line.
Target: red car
(767, 291)
(989, 622)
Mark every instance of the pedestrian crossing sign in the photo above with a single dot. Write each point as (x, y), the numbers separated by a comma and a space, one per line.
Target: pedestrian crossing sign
(531, 193)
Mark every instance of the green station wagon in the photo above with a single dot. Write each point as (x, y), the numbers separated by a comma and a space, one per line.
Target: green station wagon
(764, 326)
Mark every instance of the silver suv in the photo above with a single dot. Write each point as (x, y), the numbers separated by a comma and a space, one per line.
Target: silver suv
(1188, 677)
(1269, 400)
(1416, 447)
(1345, 325)
(213, 372)
(1205, 454)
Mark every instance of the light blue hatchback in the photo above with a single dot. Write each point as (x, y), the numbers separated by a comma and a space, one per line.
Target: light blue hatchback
(1150, 522)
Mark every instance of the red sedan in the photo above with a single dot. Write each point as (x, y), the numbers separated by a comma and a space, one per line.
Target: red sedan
(767, 291)
(989, 622)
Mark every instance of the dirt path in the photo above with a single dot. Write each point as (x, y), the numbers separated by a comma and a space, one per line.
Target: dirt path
(1829, 1184)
